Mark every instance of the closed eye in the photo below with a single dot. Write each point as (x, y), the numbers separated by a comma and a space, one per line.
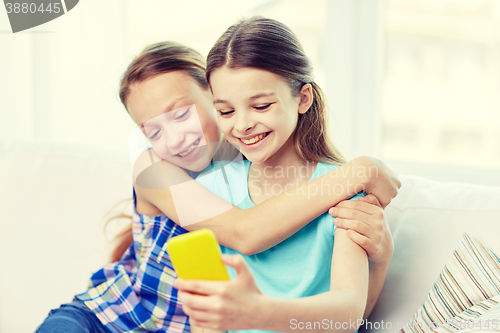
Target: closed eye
(225, 113)
(155, 135)
(262, 108)
(184, 115)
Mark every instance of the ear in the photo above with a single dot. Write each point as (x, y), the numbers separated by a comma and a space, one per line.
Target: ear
(306, 98)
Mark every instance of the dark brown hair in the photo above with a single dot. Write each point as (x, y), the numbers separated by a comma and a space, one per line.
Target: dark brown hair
(156, 59)
(270, 45)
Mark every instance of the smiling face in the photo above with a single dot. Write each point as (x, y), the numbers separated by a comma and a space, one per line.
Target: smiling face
(177, 117)
(257, 111)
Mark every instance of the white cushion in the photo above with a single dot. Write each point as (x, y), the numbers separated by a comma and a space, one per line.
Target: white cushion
(427, 220)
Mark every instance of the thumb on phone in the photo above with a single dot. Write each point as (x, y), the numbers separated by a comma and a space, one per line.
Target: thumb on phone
(238, 263)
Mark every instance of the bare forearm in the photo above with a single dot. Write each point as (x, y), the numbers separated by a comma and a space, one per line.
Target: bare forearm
(258, 228)
(339, 310)
(333, 311)
(376, 283)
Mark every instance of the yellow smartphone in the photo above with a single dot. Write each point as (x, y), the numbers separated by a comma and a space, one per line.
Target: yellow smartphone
(196, 255)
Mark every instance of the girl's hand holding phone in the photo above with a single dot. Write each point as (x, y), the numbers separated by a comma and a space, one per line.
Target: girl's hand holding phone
(227, 305)
(367, 226)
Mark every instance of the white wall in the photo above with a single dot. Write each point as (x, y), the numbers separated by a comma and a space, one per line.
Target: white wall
(64, 131)
(63, 139)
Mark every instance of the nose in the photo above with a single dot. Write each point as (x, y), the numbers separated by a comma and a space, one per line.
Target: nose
(174, 138)
(243, 122)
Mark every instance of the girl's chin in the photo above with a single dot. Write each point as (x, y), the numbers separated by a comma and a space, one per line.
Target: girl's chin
(199, 168)
(255, 158)
(197, 165)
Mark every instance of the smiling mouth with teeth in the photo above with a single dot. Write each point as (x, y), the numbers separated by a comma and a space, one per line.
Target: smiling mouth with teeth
(190, 149)
(255, 139)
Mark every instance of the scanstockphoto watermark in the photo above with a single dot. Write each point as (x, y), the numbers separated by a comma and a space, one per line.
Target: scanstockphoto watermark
(328, 324)
(266, 181)
(291, 171)
(263, 187)
(26, 14)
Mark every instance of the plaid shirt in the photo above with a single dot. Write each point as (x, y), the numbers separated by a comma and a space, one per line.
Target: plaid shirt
(135, 294)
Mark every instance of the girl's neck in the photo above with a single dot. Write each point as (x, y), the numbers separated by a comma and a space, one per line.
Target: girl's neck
(282, 171)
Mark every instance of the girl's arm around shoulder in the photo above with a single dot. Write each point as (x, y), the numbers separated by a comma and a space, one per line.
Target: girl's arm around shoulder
(251, 230)
(375, 178)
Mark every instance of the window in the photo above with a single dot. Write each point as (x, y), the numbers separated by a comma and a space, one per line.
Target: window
(441, 86)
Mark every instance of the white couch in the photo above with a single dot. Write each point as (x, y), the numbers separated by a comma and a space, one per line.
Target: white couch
(427, 220)
(54, 201)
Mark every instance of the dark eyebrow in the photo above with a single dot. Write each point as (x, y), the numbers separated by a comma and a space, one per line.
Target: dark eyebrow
(254, 97)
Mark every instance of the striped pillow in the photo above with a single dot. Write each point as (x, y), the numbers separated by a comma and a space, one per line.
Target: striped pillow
(470, 277)
(482, 317)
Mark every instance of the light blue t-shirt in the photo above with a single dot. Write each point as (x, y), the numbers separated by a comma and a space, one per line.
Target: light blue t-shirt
(300, 265)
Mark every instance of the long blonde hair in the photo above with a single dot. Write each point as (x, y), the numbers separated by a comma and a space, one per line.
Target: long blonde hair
(161, 58)
(156, 59)
(270, 45)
